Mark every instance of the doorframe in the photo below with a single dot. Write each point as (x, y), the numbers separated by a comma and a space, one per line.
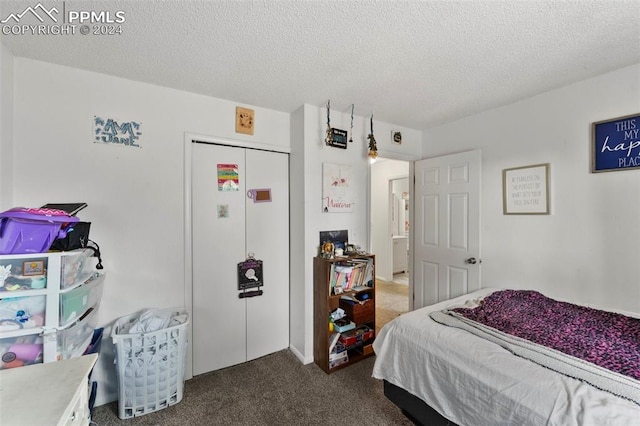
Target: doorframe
(411, 159)
(189, 139)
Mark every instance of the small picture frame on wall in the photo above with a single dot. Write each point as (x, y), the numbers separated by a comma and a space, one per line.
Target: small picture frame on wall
(244, 120)
(525, 190)
(396, 137)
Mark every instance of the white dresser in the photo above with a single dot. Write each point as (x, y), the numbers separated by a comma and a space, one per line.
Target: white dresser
(59, 390)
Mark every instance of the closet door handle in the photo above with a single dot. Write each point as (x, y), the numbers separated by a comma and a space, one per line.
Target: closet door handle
(472, 261)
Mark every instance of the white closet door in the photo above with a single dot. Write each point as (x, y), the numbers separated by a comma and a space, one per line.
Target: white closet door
(218, 244)
(267, 235)
(228, 330)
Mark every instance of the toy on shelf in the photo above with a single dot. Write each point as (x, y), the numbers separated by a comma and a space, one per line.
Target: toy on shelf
(5, 271)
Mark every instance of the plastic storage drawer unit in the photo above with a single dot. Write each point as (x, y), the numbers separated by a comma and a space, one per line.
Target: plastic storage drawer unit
(74, 267)
(19, 351)
(19, 273)
(17, 313)
(75, 302)
(75, 339)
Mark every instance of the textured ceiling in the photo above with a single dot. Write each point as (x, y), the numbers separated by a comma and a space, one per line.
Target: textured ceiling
(413, 63)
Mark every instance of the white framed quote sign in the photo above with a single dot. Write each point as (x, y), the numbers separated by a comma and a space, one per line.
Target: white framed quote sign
(525, 190)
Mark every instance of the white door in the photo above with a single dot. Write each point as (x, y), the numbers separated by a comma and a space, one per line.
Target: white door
(267, 233)
(226, 226)
(447, 227)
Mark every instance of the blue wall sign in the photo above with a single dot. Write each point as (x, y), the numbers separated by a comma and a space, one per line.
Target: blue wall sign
(111, 131)
(616, 144)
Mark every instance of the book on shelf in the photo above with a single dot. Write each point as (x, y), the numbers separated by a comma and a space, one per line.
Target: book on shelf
(353, 299)
(333, 340)
(368, 274)
(350, 274)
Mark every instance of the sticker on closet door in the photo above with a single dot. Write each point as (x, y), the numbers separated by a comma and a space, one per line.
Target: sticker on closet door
(223, 211)
(262, 195)
(228, 179)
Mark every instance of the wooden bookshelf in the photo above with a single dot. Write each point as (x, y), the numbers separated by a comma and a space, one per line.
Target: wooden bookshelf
(325, 302)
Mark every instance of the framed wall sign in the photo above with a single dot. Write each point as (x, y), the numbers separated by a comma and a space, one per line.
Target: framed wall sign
(616, 144)
(337, 188)
(338, 138)
(525, 190)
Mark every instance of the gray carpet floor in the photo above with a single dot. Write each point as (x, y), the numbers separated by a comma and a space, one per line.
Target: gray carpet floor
(279, 390)
(274, 390)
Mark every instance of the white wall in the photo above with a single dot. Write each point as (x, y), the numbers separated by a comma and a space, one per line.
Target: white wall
(308, 133)
(587, 248)
(381, 244)
(135, 195)
(6, 128)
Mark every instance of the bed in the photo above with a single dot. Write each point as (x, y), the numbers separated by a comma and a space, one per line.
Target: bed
(440, 373)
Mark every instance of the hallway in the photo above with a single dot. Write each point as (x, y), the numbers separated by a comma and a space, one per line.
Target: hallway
(392, 299)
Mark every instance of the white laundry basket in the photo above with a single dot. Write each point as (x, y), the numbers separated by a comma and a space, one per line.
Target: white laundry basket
(150, 366)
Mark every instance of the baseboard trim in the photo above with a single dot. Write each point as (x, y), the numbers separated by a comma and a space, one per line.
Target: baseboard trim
(304, 360)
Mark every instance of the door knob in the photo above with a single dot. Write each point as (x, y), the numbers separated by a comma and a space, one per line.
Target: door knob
(472, 261)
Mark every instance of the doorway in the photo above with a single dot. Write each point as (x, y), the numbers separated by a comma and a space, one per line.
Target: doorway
(389, 230)
(399, 229)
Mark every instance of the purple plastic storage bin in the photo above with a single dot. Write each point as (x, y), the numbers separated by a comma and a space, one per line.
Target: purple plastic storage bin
(24, 230)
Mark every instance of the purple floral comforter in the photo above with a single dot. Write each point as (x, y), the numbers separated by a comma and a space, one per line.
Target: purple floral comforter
(606, 339)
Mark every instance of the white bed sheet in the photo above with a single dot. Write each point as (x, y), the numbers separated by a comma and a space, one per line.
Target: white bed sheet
(474, 382)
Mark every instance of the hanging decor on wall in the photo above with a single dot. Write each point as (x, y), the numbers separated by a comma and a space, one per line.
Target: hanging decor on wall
(373, 148)
(334, 137)
(250, 277)
(244, 120)
(525, 190)
(616, 144)
(116, 132)
(337, 192)
(351, 129)
(328, 138)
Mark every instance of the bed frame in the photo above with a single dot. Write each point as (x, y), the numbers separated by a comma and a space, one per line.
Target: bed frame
(415, 409)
